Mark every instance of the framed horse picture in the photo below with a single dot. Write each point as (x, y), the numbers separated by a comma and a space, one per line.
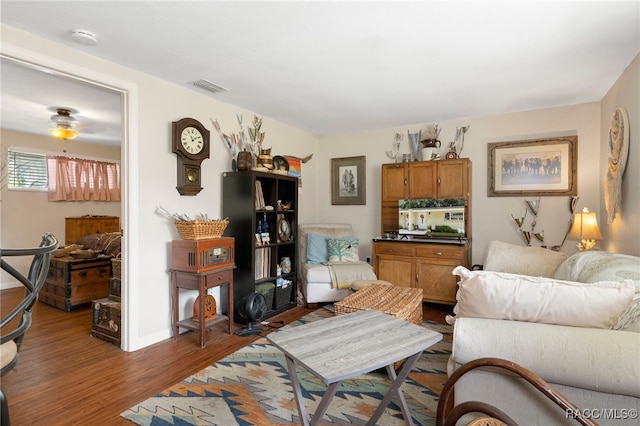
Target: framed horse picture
(540, 167)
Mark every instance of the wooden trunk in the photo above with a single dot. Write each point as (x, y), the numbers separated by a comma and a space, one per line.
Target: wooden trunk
(76, 282)
(107, 320)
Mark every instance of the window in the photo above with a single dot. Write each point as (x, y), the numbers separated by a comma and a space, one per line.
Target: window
(27, 171)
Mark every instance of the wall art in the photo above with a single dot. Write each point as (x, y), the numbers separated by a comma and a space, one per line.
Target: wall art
(538, 167)
(348, 180)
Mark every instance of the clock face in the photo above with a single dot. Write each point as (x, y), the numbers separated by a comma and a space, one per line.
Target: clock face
(192, 140)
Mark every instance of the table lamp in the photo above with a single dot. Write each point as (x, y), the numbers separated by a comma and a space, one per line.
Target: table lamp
(585, 229)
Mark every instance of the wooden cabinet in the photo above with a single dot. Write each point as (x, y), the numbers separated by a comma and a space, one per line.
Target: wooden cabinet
(250, 199)
(424, 264)
(76, 282)
(421, 265)
(77, 227)
(423, 179)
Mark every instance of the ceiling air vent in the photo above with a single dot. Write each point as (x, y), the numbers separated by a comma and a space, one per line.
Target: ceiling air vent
(207, 85)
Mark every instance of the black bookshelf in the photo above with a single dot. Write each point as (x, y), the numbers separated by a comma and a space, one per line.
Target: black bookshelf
(256, 262)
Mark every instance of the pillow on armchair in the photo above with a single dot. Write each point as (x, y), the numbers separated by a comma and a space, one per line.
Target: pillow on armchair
(514, 259)
(343, 250)
(318, 247)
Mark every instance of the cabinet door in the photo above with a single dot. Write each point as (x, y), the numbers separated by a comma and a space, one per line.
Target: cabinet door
(422, 180)
(395, 269)
(453, 179)
(394, 181)
(436, 281)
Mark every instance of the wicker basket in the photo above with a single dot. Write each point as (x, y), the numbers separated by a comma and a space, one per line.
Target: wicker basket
(283, 296)
(401, 302)
(268, 291)
(201, 229)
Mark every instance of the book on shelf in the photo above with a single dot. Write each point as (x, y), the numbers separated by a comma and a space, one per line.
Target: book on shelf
(259, 201)
(263, 263)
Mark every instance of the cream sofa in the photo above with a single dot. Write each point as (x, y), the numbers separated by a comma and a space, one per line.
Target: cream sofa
(314, 275)
(592, 357)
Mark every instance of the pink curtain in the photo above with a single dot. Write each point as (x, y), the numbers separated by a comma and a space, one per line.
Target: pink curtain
(74, 179)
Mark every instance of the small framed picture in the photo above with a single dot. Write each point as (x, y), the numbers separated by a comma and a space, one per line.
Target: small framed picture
(348, 181)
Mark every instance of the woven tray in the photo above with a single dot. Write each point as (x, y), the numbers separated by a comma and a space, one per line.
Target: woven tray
(201, 229)
(401, 302)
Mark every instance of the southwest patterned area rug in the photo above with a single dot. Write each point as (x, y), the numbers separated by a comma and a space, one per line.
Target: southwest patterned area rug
(252, 387)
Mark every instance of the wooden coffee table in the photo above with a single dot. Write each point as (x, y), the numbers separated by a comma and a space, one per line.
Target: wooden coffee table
(341, 347)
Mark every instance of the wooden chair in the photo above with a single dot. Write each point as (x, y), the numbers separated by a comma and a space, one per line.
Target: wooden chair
(448, 415)
(14, 325)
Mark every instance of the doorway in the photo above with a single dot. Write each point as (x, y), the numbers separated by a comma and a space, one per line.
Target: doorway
(128, 94)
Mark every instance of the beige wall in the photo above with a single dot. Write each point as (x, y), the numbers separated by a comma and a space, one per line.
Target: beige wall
(491, 216)
(623, 235)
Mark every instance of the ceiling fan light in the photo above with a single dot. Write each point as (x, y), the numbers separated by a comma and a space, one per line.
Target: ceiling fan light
(62, 132)
(64, 117)
(61, 119)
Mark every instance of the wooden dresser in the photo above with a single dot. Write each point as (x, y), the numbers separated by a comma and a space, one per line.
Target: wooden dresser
(76, 282)
(77, 227)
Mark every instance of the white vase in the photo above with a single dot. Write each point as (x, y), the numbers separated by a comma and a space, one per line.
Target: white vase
(429, 154)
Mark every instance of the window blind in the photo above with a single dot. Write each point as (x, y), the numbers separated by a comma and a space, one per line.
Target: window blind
(27, 171)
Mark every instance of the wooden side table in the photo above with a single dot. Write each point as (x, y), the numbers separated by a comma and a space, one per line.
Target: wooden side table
(201, 281)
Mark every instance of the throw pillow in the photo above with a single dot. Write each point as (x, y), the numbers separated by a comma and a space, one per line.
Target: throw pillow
(497, 295)
(343, 250)
(317, 247)
(535, 261)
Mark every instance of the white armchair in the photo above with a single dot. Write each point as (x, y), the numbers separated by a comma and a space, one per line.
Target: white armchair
(314, 277)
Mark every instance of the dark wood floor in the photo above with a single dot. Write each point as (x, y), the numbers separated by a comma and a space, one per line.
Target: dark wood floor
(67, 377)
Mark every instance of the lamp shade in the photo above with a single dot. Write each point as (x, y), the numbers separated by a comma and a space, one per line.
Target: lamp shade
(62, 132)
(585, 226)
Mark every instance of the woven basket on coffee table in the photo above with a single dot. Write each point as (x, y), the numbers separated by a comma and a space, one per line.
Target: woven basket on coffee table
(402, 302)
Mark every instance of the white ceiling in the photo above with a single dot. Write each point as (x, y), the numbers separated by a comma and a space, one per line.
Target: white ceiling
(331, 67)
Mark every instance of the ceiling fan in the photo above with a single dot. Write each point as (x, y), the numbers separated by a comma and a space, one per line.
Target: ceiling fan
(65, 123)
